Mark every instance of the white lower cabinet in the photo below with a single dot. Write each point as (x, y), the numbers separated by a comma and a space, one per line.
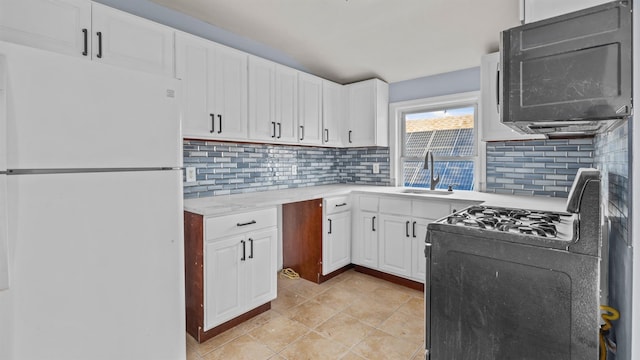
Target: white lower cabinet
(223, 280)
(419, 235)
(336, 237)
(395, 245)
(365, 240)
(389, 232)
(364, 244)
(239, 264)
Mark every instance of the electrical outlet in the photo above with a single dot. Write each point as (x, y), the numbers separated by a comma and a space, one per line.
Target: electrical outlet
(191, 174)
(376, 168)
(294, 169)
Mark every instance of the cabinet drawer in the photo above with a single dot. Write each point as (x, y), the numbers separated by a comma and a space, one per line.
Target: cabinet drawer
(369, 203)
(430, 209)
(337, 204)
(221, 226)
(397, 206)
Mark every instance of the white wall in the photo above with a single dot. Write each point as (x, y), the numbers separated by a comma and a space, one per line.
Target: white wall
(455, 82)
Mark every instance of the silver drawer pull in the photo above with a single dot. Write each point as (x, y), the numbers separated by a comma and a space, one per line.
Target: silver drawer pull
(247, 223)
(343, 204)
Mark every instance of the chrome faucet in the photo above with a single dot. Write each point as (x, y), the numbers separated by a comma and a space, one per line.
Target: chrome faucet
(434, 180)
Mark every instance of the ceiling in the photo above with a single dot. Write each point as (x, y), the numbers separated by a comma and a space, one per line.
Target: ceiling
(352, 40)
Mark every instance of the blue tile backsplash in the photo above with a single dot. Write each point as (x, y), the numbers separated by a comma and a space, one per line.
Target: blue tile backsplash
(536, 167)
(231, 168)
(612, 158)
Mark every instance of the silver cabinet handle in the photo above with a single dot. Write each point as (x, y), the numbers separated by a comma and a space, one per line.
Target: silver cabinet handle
(326, 133)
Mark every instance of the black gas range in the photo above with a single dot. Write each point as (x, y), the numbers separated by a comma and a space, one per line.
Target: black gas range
(516, 283)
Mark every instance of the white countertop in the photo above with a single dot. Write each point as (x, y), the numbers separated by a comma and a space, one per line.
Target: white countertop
(226, 204)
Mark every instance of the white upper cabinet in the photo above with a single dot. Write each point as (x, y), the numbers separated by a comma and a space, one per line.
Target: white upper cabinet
(333, 113)
(492, 129)
(309, 109)
(273, 102)
(122, 39)
(534, 10)
(85, 29)
(367, 115)
(56, 25)
(228, 98)
(286, 99)
(262, 113)
(214, 80)
(192, 66)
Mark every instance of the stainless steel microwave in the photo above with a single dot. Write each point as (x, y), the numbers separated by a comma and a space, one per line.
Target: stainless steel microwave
(571, 74)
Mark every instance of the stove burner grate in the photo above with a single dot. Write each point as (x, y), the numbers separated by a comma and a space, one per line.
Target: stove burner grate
(539, 223)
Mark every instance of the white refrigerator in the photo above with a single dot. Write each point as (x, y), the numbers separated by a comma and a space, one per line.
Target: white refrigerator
(91, 240)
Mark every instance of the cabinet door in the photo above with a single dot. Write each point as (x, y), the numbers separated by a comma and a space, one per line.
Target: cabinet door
(333, 113)
(361, 115)
(129, 41)
(261, 273)
(286, 100)
(193, 56)
(367, 115)
(228, 100)
(365, 240)
(395, 245)
(262, 113)
(310, 109)
(56, 25)
(492, 129)
(336, 244)
(223, 280)
(418, 237)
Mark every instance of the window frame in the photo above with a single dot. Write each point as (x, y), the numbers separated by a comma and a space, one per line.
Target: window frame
(397, 112)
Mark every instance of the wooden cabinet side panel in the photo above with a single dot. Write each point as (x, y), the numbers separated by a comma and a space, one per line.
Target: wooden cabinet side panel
(302, 238)
(194, 277)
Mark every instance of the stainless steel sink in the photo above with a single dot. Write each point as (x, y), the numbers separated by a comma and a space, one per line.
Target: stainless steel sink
(426, 192)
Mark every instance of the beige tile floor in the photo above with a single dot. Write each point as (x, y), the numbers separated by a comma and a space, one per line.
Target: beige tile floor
(352, 317)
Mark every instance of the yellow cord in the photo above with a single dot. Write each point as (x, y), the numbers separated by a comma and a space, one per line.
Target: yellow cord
(612, 314)
(289, 274)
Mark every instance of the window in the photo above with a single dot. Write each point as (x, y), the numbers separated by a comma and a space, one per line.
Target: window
(446, 129)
